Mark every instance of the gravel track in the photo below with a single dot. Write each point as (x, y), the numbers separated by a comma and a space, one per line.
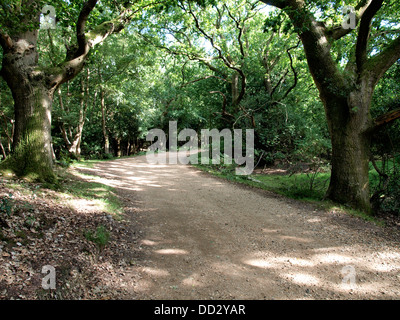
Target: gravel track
(206, 238)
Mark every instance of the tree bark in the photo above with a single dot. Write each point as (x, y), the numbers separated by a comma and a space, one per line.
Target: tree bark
(103, 122)
(3, 151)
(349, 183)
(32, 143)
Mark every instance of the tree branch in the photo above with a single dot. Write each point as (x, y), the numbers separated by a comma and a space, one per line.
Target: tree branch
(277, 3)
(316, 46)
(364, 32)
(81, 25)
(240, 28)
(338, 31)
(190, 56)
(226, 60)
(5, 41)
(386, 118)
(381, 62)
(293, 70)
(72, 66)
(203, 78)
(224, 102)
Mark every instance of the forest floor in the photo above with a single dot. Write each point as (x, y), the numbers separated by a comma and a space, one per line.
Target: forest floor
(185, 234)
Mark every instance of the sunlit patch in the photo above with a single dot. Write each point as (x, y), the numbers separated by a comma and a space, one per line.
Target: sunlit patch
(84, 205)
(295, 239)
(380, 267)
(191, 282)
(171, 251)
(147, 242)
(143, 285)
(389, 255)
(265, 230)
(313, 220)
(296, 261)
(156, 272)
(303, 278)
(333, 258)
(259, 263)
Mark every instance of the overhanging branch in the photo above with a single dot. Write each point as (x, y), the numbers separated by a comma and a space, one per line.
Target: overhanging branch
(386, 118)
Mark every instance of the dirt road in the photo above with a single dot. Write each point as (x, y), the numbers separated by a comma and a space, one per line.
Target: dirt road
(205, 238)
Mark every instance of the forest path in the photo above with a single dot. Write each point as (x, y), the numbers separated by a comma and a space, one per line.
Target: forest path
(206, 238)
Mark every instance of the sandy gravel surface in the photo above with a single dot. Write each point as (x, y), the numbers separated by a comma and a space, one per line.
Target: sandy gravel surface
(206, 238)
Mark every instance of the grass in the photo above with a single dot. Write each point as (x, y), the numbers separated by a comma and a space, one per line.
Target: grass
(297, 186)
(309, 187)
(86, 187)
(89, 163)
(100, 237)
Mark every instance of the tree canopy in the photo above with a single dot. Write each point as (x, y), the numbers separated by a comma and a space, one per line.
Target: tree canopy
(312, 88)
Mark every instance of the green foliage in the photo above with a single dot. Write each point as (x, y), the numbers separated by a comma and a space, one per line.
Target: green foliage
(178, 61)
(386, 145)
(391, 202)
(7, 205)
(100, 236)
(385, 184)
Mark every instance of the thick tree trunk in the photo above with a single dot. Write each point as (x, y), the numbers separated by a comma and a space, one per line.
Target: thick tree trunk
(32, 143)
(349, 182)
(349, 121)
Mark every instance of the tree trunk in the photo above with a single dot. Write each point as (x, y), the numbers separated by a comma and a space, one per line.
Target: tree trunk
(348, 121)
(3, 152)
(75, 147)
(103, 122)
(349, 182)
(62, 125)
(32, 143)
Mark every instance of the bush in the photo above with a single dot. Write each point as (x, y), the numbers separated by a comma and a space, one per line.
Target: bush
(107, 156)
(385, 185)
(391, 198)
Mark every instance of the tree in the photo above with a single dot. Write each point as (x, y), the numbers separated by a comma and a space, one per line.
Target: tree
(33, 86)
(346, 85)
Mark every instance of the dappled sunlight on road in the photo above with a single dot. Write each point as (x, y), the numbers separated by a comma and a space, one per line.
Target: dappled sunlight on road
(205, 238)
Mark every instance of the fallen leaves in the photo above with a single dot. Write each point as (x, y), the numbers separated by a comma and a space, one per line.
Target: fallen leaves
(37, 229)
